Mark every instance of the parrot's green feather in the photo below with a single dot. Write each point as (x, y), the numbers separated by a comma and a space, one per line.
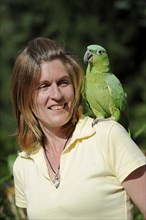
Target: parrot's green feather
(115, 88)
(102, 91)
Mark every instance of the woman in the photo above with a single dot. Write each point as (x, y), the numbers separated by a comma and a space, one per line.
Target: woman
(68, 169)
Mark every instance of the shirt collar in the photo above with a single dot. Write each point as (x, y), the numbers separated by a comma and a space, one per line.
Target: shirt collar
(83, 129)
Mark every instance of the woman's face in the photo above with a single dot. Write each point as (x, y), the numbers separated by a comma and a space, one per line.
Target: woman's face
(54, 98)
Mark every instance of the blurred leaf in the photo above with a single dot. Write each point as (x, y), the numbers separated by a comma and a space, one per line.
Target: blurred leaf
(11, 158)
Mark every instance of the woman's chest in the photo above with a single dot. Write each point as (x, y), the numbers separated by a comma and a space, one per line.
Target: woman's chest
(85, 184)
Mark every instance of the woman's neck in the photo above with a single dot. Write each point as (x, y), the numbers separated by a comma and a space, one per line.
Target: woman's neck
(57, 138)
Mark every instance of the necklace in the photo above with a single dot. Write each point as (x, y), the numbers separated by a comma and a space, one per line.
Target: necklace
(56, 181)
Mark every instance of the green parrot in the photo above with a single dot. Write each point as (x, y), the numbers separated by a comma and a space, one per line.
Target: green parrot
(102, 91)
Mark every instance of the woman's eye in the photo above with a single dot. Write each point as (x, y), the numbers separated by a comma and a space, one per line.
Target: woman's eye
(63, 83)
(43, 86)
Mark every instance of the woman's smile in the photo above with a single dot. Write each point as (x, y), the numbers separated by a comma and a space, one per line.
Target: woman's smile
(57, 107)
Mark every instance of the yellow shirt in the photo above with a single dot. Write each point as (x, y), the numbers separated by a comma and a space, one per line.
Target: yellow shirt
(92, 168)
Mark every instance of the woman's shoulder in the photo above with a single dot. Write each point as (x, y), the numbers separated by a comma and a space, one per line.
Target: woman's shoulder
(20, 160)
(103, 124)
(24, 158)
(103, 129)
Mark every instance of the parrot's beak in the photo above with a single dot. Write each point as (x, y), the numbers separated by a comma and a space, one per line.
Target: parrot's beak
(88, 56)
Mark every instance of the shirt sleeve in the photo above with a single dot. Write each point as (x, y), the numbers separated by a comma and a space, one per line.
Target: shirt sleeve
(124, 155)
(18, 183)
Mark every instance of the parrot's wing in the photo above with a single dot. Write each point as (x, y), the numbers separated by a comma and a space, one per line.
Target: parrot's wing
(120, 98)
(116, 90)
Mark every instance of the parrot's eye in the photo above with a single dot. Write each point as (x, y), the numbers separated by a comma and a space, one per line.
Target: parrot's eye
(100, 52)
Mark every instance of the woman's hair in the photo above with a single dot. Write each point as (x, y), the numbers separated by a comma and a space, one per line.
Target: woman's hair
(25, 78)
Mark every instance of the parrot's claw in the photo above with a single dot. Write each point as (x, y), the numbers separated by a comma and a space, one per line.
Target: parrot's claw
(96, 120)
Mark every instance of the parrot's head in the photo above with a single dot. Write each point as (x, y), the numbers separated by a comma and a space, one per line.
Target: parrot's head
(96, 54)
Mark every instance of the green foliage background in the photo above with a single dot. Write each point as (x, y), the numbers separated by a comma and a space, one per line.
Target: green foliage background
(117, 25)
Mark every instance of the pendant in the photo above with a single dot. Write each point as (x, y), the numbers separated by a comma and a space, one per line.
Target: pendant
(56, 182)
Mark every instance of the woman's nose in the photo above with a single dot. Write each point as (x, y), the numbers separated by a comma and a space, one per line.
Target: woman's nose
(55, 92)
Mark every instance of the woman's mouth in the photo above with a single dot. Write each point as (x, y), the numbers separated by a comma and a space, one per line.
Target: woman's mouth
(57, 107)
